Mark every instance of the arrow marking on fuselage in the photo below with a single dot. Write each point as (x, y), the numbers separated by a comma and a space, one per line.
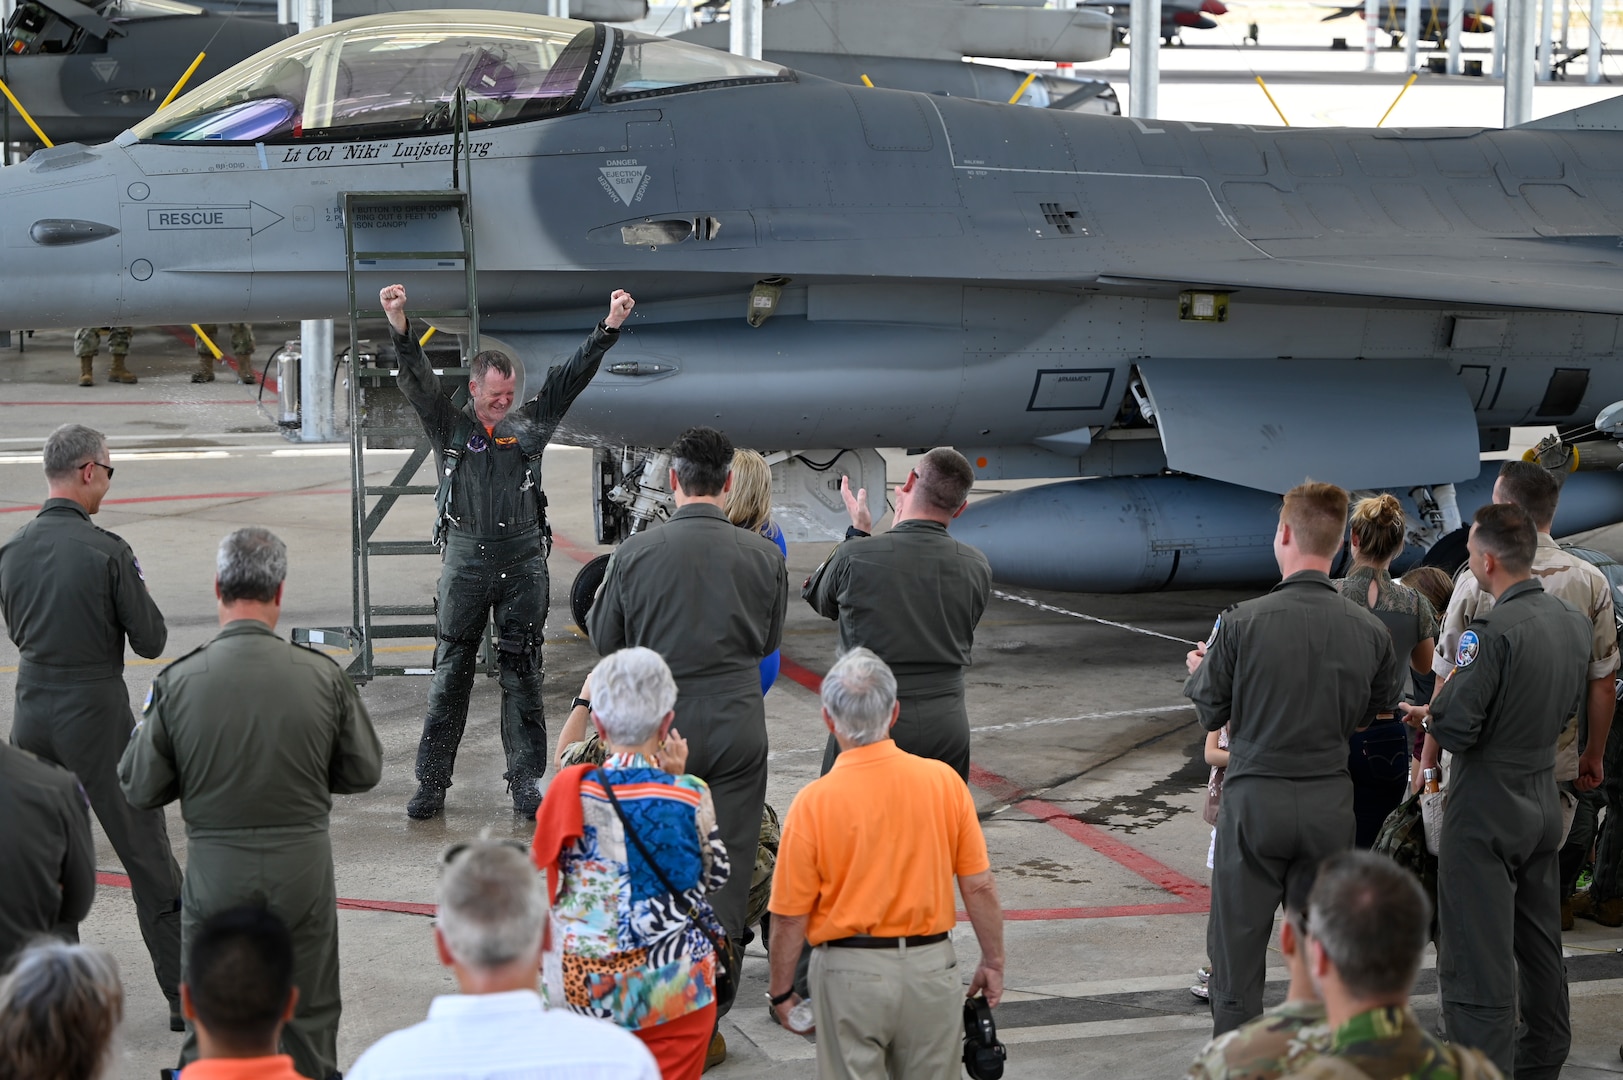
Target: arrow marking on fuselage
(104, 69)
(253, 217)
(625, 181)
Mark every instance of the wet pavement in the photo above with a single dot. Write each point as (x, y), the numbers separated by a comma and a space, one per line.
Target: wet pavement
(1087, 768)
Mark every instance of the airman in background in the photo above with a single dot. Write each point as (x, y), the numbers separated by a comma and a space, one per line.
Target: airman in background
(87, 343)
(242, 352)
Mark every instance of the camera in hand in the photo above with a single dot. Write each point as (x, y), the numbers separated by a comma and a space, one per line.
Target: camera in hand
(983, 1054)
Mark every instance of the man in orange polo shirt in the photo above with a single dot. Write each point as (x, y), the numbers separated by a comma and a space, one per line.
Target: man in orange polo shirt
(864, 874)
(238, 994)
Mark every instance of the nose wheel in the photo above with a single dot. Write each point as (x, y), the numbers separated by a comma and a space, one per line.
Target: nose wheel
(584, 590)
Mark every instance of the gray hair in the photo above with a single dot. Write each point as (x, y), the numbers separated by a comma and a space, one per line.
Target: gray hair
(251, 565)
(491, 907)
(69, 447)
(632, 690)
(859, 693)
(60, 1007)
(1372, 919)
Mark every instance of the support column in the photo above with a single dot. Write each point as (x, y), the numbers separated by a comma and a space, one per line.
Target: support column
(1372, 24)
(1518, 61)
(1456, 21)
(1144, 59)
(316, 422)
(1546, 40)
(1411, 37)
(744, 29)
(1498, 66)
(558, 9)
(1597, 12)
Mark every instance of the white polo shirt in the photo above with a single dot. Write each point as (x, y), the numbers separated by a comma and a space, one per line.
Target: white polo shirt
(505, 1037)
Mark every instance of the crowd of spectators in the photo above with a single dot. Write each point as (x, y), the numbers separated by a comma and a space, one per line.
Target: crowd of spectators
(608, 948)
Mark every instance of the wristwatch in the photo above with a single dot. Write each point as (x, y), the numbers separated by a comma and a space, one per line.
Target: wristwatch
(852, 532)
(778, 999)
(579, 703)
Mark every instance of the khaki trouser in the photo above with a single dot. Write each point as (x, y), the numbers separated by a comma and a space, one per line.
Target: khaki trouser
(887, 1013)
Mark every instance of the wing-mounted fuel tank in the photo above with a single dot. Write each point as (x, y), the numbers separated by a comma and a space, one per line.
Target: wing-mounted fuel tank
(1179, 532)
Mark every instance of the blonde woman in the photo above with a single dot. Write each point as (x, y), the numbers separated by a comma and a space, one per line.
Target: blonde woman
(1379, 755)
(749, 506)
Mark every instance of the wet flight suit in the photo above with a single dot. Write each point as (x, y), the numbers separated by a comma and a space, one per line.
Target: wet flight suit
(913, 595)
(494, 558)
(1293, 674)
(71, 594)
(1520, 671)
(254, 735)
(47, 857)
(709, 597)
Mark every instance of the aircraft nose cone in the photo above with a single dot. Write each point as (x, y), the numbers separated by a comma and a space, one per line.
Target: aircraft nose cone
(1214, 7)
(60, 232)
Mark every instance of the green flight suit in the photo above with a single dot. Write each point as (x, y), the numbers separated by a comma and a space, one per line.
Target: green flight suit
(72, 594)
(1520, 670)
(254, 735)
(47, 857)
(495, 559)
(1293, 674)
(913, 595)
(709, 597)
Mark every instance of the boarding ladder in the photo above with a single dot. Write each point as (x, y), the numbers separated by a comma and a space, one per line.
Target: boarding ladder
(381, 418)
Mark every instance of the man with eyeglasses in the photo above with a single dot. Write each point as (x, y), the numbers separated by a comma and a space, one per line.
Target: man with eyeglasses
(72, 594)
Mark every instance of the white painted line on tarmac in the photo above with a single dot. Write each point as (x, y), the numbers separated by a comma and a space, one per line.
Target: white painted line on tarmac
(1595, 988)
(1018, 725)
(1051, 609)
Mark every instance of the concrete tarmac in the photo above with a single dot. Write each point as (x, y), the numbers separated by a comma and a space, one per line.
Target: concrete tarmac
(1087, 768)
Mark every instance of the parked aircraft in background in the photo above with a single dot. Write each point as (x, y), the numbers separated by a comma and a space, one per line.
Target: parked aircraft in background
(1178, 313)
(1477, 19)
(1176, 15)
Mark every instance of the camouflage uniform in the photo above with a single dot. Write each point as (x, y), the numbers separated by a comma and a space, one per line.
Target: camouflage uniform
(1379, 755)
(1283, 1038)
(1388, 1043)
(87, 343)
(242, 350)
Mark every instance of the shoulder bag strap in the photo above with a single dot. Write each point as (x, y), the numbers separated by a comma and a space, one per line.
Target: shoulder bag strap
(677, 895)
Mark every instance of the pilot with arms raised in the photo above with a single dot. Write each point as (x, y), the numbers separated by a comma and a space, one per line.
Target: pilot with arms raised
(492, 522)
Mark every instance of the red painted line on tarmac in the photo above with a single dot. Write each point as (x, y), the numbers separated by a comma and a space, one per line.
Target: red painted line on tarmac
(1196, 897)
(804, 676)
(1125, 855)
(573, 550)
(179, 498)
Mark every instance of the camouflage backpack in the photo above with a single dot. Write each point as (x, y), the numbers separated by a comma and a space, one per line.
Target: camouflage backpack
(1403, 840)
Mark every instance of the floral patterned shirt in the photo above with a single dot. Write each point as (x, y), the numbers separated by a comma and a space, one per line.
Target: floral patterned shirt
(622, 948)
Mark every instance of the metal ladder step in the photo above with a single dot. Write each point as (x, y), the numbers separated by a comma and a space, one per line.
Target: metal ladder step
(401, 547)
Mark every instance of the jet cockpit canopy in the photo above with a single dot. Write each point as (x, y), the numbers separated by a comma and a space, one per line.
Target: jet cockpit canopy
(400, 74)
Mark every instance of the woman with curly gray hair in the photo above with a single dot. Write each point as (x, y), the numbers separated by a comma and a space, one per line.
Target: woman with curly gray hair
(60, 1006)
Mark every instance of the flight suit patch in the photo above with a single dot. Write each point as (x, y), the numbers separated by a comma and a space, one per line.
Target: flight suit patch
(1470, 646)
(477, 444)
(152, 694)
(138, 571)
(1216, 626)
